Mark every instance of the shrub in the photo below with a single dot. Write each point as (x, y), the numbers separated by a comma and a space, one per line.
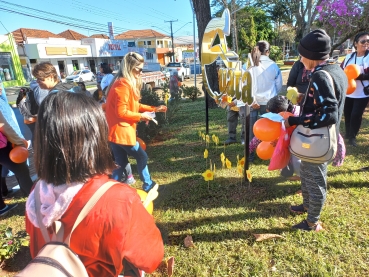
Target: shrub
(10, 244)
(191, 92)
(276, 53)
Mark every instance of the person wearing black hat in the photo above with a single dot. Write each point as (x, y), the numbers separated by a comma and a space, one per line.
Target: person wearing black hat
(322, 106)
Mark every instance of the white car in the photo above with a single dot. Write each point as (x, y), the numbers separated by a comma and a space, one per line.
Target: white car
(80, 76)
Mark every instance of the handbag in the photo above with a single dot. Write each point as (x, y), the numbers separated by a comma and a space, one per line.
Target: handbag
(314, 145)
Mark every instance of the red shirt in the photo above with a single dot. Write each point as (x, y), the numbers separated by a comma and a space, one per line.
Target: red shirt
(117, 228)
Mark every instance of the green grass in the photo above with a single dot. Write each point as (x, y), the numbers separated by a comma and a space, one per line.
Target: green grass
(222, 216)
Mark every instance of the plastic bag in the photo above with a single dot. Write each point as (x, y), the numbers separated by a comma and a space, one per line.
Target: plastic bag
(3, 140)
(281, 154)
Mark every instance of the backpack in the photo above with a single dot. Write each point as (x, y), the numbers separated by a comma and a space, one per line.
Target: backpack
(56, 258)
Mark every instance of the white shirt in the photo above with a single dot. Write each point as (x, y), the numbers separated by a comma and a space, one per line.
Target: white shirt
(106, 80)
(266, 80)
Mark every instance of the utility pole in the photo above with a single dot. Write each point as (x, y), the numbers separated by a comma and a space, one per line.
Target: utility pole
(171, 34)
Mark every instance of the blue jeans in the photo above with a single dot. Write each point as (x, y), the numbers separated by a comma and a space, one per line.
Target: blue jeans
(121, 153)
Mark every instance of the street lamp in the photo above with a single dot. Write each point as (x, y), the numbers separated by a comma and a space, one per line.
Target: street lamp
(160, 29)
(182, 27)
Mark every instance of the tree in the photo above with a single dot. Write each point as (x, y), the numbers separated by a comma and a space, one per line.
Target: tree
(344, 17)
(203, 16)
(301, 13)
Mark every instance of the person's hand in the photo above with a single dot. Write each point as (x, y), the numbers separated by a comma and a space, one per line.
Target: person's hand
(286, 124)
(274, 142)
(255, 106)
(161, 108)
(300, 97)
(232, 104)
(145, 117)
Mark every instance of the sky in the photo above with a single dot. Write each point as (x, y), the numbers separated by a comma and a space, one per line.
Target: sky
(91, 16)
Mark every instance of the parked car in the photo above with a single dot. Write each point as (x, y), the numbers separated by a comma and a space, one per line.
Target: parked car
(80, 76)
(183, 70)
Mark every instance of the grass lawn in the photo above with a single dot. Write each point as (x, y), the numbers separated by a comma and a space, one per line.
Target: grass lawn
(222, 216)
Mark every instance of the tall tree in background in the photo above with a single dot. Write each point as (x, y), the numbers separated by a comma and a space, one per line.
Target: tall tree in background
(343, 18)
(203, 16)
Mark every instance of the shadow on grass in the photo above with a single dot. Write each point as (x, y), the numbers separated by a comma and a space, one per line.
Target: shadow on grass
(222, 236)
(189, 194)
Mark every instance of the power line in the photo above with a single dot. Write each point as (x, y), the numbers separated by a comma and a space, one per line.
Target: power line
(171, 34)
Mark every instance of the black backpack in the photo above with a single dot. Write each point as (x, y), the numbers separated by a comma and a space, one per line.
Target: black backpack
(31, 103)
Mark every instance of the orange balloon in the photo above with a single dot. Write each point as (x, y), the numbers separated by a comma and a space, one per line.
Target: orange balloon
(351, 86)
(286, 115)
(266, 129)
(352, 71)
(143, 196)
(142, 143)
(18, 154)
(265, 150)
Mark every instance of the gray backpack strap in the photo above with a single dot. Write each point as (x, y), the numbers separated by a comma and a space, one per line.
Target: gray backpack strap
(58, 226)
(89, 205)
(330, 79)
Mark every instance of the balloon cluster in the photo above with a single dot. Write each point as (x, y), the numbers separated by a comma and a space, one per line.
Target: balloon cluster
(352, 72)
(268, 131)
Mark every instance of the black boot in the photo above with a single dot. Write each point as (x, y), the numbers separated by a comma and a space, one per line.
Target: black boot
(352, 142)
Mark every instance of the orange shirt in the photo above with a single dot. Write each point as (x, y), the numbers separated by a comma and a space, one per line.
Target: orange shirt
(117, 228)
(123, 112)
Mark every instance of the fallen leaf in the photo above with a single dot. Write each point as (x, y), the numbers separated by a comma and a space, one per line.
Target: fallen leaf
(170, 265)
(188, 242)
(261, 237)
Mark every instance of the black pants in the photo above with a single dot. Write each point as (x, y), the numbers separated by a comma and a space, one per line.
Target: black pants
(20, 171)
(353, 111)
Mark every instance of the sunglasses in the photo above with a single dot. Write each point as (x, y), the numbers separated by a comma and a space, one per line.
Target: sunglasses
(364, 41)
(139, 69)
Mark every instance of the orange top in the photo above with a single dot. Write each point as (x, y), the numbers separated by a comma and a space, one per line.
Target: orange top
(118, 228)
(123, 112)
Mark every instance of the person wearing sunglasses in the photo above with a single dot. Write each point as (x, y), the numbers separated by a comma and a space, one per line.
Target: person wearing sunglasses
(357, 101)
(123, 112)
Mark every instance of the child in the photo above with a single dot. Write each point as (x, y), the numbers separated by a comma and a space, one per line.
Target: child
(22, 106)
(279, 104)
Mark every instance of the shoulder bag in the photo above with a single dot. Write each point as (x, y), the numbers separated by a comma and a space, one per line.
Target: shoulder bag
(314, 145)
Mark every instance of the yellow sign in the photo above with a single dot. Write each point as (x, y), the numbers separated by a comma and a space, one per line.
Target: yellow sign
(233, 80)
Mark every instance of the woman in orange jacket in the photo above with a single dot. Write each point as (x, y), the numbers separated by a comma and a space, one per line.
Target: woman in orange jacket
(72, 161)
(123, 112)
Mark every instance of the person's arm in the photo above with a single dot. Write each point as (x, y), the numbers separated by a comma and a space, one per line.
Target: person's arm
(9, 132)
(325, 105)
(292, 77)
(123, 98)
(144, 246)
(278, 80)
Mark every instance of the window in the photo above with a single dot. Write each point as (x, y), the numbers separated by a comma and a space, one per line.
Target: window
(7, 72)
(131, 44)
(149, 56)
(148, 42)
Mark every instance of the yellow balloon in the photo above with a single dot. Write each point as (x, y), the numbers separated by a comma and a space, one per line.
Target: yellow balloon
(143, 195)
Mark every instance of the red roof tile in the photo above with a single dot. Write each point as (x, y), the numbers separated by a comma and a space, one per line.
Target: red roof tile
(72, 35)
(148, 33)
(99, 36)
(22, 34)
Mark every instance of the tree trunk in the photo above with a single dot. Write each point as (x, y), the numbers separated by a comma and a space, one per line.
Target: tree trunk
(203, 16)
